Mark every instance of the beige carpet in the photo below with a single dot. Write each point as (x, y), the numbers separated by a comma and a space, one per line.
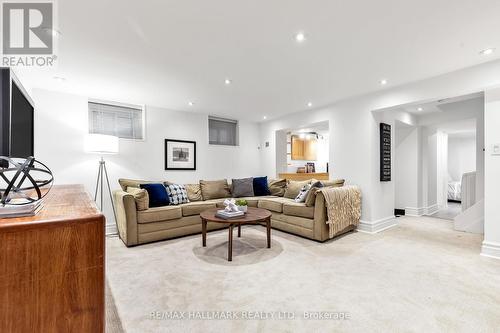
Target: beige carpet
(418, 276)
(449, 213)
(113, 323)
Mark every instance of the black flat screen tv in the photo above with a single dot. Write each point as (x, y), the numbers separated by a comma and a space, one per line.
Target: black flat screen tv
(16, 117)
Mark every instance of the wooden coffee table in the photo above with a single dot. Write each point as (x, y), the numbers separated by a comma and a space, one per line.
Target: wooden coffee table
(253, 216)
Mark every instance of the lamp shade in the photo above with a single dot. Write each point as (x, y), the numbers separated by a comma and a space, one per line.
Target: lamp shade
(102, 144)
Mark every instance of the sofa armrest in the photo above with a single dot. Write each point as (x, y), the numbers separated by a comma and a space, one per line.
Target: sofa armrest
(320, 228)
(126, 217)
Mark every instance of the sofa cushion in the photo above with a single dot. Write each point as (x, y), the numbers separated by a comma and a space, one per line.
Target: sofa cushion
(293, 188)
(157, 193)
(260, 186)
(298, 209)
(177, 194)
(333, 183)
(217, 202)
(214, 189)
(254, 201)
(296, 221)
(242, 187)
(273, 204)
(277, 187)
(194, 192)
(126, 183)
(195, 208)
(158, 214)
(311, 194)
(141, 197)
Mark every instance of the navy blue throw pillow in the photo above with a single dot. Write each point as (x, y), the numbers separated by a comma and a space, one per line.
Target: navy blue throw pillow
(260, 186)
(158, 195)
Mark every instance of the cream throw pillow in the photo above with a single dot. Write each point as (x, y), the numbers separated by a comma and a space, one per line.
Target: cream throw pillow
(194, 192)
(141, 197)
(214, 189)
(333, 183)
(311, 196)
(277, 187)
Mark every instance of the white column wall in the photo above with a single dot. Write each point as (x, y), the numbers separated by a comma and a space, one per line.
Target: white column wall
(491, 243)
(406, 169)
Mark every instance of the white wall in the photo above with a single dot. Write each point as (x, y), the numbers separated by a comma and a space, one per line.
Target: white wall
(433, 124)
(431, 161)
(354, 138)
(354, 141)
(406, 166)
(348, 141)
(491, 243)
(442, 170)
(431, 169)
(61, 125)
(470, 109)
(281, 143)
(461, 156)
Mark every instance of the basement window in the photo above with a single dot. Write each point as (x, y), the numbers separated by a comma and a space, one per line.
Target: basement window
(222, 131)
(121, 120)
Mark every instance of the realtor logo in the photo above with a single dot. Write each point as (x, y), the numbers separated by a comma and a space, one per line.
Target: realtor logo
(27, 28)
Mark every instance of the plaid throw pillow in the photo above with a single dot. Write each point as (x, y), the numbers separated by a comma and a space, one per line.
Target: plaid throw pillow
(177, 194)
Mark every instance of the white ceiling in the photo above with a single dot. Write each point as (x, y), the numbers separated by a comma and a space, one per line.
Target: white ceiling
(440, 105)
(166, 53)
(462, 128)
(320, 127)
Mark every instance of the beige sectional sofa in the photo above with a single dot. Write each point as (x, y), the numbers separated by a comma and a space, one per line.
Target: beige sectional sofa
(160, 223)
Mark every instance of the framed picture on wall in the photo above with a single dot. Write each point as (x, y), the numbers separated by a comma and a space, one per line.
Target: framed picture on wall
(180, 155)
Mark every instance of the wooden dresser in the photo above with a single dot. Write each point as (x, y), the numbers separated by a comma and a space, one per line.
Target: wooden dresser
(52, 266)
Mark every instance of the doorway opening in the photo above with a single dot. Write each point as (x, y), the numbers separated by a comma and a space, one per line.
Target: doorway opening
(303, 152)
(438, 158)
(457, 168)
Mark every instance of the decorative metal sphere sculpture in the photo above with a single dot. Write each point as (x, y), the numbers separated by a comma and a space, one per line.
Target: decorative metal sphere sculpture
(23, 181)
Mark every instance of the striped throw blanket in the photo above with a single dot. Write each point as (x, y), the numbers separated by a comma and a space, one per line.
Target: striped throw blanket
(343, 206)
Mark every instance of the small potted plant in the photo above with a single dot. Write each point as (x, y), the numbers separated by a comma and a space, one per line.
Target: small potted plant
(242, 205)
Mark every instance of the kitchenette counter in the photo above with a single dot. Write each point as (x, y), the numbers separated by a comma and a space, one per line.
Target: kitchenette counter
(305, 176)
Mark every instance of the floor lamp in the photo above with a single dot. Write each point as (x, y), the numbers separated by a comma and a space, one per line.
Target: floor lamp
(103, 145)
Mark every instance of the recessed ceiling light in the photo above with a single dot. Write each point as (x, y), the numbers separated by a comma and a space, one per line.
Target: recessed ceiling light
(265, 117)
(420, 109)
(59, 78)
(487, 51)
(227, 82)
(300, 37)
(383, 82)
(191, 103)
(309, 104)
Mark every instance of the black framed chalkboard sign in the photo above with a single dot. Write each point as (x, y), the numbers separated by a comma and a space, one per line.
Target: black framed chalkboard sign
(385, 152)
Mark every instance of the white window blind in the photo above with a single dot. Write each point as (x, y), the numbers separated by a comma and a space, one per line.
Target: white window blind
(222, 131)
(121, 121)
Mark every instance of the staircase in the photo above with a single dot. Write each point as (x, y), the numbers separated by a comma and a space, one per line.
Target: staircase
(468, 190)
(472, 219)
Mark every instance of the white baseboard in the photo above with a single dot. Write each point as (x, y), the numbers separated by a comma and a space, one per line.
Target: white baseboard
(414, 211)
(490, 249)
(431, 209)
(421, 211)
(111, 230)
(372, 227)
